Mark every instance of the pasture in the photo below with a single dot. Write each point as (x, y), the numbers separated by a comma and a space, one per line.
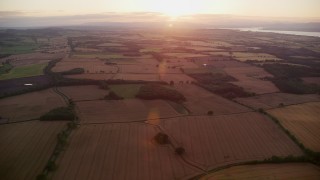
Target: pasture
(200, 101)
(82, 93)
(244, 56)
(213, 141)
(128, 110)
(120, 151)
(24, 71)
(26, 147)
(250, 78)
(302, 121)
(274, 100)
(30, 105)
(267, 171)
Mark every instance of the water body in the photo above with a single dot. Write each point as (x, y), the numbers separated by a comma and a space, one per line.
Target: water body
(301, 33)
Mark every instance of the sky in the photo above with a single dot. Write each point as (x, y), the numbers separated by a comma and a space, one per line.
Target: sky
(29, 13)
(173, 8)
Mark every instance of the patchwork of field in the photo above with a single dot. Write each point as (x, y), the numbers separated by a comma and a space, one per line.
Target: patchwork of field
(200, 101)
(138, 69)
(136, 77)
(221, 64)
(123, 110)
(176, 78)
(250, 78)
(26, 147)
(29, 58)
(30, 105)
(104, 56)
(90, 66)
(184, 55)
(82, 93)
(24, 71)
(101, 76)
(120, 151)
(268, 171)
(180, 63)
(274, 100)
(213, 141)
(302, 121)
(244, 56)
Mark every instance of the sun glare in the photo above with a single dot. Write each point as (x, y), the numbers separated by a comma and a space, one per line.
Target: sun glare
(177, 8)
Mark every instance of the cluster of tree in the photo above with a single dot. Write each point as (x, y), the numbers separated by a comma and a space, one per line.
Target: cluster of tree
(295, 86)
(112, 96)
(60, 113)
(226, 90)
(285, 52)
(206, 78)
(5, 68)
(162, 138)
(73, 71)
(287, 78)
(291, 71)
(155, 91)
(218, 83)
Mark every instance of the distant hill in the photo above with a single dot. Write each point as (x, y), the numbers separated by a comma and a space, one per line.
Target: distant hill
(307, 27)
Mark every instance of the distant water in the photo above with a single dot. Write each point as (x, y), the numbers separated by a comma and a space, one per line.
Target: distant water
(301, 33)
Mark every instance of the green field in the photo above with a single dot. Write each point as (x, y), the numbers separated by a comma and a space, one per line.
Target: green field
(24, 71)
(106, 56)
(17, 47)
(126, 90)
(5, 68)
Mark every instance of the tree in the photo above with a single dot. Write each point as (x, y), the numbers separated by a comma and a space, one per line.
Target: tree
(112, 96)
(179, 150)
(162, 138)
(210, 113)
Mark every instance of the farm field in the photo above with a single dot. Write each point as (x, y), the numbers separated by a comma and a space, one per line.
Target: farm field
(267, 171)
(274, 100)
(82, 93)
(26, 148)
(105, 56)
(18, 48)
(126, 90)
(24, 71)
(184, 55)
(137, 77)
(228, 86)
(249, 78)
(99, 76)
(176, 78)
(311, 80)
(244, 56)
(138, 69)
(213, 141)
(30, 105)
(302, 121)
(128, 110)
(90, 66)
(120, 151)
(31, 58)
(200, 101)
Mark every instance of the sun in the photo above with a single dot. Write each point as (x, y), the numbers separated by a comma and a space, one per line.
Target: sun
(177, 8)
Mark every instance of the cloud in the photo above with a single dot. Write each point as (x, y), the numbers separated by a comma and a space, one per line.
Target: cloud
(22, 19)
